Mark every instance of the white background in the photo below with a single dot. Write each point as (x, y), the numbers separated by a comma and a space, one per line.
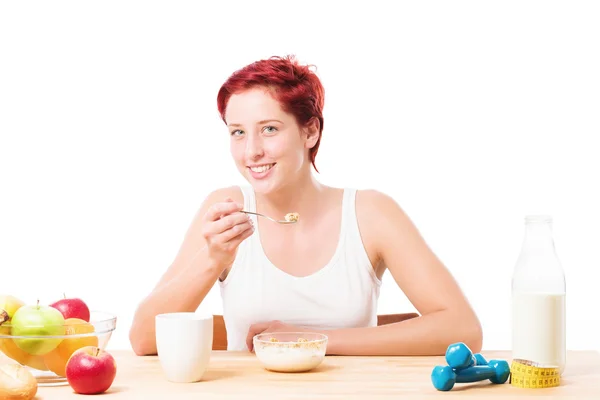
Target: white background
(470, 114)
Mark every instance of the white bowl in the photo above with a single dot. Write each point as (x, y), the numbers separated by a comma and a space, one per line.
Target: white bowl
(290, 351)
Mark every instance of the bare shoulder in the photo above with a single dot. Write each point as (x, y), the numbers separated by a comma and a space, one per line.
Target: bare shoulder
(381, 221)
(219, 194)
(371, 209)
(374, 198)
(374, 206)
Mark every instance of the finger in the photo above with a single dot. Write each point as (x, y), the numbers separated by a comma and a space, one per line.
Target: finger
(226, 200)
(235, 242)
(244, 235)
(235, 232)
(254, 330)
(229, 222)
(222, 209)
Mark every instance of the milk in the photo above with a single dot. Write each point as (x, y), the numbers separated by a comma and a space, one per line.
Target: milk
(290, 359)
(539, 332)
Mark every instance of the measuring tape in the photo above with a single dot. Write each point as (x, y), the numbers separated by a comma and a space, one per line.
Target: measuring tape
(527, 374)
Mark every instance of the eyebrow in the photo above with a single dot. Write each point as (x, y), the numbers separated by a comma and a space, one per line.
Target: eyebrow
(264, 121)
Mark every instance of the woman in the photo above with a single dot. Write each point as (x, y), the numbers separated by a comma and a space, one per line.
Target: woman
(322, 273)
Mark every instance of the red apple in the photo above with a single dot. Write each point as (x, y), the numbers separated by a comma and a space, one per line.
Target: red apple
(91, 370)
(72, 308)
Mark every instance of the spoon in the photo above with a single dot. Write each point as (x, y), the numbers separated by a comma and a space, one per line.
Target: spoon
(291, 218)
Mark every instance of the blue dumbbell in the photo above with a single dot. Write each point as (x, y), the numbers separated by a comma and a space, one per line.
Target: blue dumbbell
(459, 356)
(444, 377)
(480, 360)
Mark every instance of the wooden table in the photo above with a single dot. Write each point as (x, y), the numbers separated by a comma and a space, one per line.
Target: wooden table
(233, 375)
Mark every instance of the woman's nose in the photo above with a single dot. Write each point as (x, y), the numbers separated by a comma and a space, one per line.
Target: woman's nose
(253, 147)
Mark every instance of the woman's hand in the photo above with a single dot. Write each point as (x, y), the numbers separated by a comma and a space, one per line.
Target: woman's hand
(224, 228)
(269, 327)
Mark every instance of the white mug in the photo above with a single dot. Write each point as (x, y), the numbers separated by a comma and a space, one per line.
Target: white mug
(184, 343)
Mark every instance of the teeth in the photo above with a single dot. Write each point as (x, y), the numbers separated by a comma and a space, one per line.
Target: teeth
(262, 168)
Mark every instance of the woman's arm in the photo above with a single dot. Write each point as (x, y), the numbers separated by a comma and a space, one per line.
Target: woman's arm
(182, 292)
(446, 315)
(185, 284)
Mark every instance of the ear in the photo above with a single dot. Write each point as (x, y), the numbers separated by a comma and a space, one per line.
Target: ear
(311, 131)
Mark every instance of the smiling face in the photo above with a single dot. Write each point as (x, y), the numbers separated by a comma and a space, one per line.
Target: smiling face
(268, 146)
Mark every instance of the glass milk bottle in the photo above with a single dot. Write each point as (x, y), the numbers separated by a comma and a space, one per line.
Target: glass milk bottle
(538, 298)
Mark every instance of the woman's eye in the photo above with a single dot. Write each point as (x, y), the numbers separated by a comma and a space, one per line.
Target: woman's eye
(236, 132)
(270, 129)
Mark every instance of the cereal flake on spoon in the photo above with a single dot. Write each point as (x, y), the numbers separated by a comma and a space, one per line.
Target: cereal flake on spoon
(292, 217)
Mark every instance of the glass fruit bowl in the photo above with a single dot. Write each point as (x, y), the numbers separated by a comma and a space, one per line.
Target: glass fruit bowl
(46, 349)
(290, 351)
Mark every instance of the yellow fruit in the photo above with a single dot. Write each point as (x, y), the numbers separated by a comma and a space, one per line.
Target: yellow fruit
(10, 349)
(56, 360)
(8, 306)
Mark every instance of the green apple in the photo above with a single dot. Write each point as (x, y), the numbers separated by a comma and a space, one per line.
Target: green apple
(38, 321)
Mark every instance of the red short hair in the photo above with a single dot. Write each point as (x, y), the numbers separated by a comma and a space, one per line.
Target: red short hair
(295, 86)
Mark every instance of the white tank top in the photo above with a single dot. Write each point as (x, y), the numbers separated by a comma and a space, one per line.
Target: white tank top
(343, 294)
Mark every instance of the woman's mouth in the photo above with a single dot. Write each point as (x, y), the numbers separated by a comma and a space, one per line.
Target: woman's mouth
(262, 168)
(260, 171)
